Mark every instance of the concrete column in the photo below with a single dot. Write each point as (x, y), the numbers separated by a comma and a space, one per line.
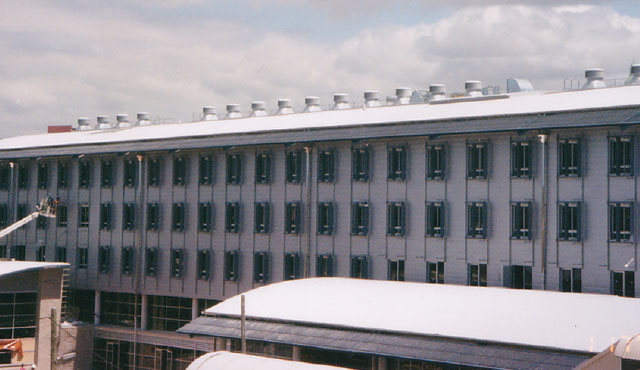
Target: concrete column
(194, 309)
(296, 353)
(382, 363)
(49, 296)
(96, 309)
(144, 317)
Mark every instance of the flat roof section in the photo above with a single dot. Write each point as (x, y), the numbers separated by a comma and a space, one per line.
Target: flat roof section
(236, 361)
(8, 268)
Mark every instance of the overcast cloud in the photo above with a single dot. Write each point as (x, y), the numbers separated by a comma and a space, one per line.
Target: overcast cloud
(83, 59)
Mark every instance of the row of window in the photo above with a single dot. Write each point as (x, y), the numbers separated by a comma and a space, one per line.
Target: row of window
(621, 156)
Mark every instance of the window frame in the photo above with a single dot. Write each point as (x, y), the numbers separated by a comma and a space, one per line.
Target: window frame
(104, 259)
(128, 216)
(84, 215)
(263, 168)
(203, 264)
(151, 261)
(291, 266)
(106, 173)
(521, 220)
(178, 216)
(435, 214)
(63, 174)
(436, 156)
(360, 218)
(477, 230)
(621, 156)
(477, 160)
(153, 216)
(293, 218)
(232, 217)
(41, 253)
(324, 264)
(127, 260)
(84, 173)
(83, 258)
(234, 168)
(477, 274)
(397, 163)
(261, 217)
(154, 169)
(359, 267)
(106, 216)
(261, 267)
(617, 227)
(435, 272)
(326, 165)
(43, 175)
(62, 216)
(570, 221)
(130, 172)
(205, 217)
(294, 171)
(395, 269)
(231, 265)
(180, 170)
(23, 175)
(205, 169)
(522, 159)
(360, 164)
(397, 218)
(570, 157)
(627, 283)
(177, 263)
(326, 218)
(570, 280)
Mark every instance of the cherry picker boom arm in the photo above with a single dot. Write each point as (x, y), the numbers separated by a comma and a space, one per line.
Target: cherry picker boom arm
(46, 208)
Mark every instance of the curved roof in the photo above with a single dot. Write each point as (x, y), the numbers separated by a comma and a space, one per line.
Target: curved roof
(567, 321)
(628, 348)
(17, 267)
(238, 361)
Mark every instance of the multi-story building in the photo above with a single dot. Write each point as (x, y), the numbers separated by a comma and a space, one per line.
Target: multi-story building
(527, 190)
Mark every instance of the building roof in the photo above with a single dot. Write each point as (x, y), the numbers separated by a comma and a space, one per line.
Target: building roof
(565, 321)
(628, 348)
(8, 268)
(238, 361)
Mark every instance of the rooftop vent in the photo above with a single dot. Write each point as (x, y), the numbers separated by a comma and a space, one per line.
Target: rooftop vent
(341, 101)
(103, 123)
(123, 121)
(258, 109)
(473, 88)
(437, 91)
(144, 119)
(284, 106)
(518, 85)
(634, 76)
(595, 79)
(372, 99)
(83, 124)
(233, 111)
(209, 114)
(403, 95)
(312, 103)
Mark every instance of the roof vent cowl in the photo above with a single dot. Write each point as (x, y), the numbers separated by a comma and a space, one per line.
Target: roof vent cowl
(258, 109)
(473, 88)
(437, 91)
(103, 123)
(233, 111)
(285, 106)
(123, 121)
(209, 113)
(84, 124)
(403, 95)
(634, 76)
(341, 101)
(595, 79)
(372, 99)
(144, 119)
(312, 104)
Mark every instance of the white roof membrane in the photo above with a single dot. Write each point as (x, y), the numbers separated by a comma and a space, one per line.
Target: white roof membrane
(237, 361)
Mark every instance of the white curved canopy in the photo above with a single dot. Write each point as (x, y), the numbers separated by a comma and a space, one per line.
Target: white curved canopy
(238, 361)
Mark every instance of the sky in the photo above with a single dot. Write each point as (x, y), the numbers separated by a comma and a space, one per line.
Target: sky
(72, 58)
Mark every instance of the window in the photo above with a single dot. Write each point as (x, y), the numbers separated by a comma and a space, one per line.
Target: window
(17, 252)
(324, 265)
(397, 163)
(396, 219)
(293, 166)
(621, 156)
(127, 261)
(231, 267)
(177, 263)
(292, 213)
(203, 264)
(477, 274)
(106, 175)
(105, 216)
(359, 265)
(83, 215)
(435, 272)
(179, 170)
(122, 309)
(360, 218)
(128, 216)
(571, 280)
(104, 259)
(41, 253)
(521, 220)
(569, 158)
(477, 220)
(205, 170)
(234, 168)
(3, 251)
(260, 267)
(41, 222)
(61, 216)
(153, 216)
(43, 175)
(130, 172)
(61, 254)
(63, 175)
(521, 159)
(569, 221)
(435, 219)
(84, 173)
(4, 176)
(4, 215)
(177, 217)
(263, 168)
(291, 266)
(151, 261)
(517, 277)
(205, 213)
(435, 162)
(154, 172)
(621, 222)
(262, 216)
(23, 175)
(326, 165)
(396, 270)
(83, 258)
(19, 319)
(326, 218)
(623, 283)
(360, 164)
(167, 314)
(477, 161)
(21, 211)
(232, 217)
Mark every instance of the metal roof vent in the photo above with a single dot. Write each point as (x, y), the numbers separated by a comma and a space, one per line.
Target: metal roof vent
(595, 78)
(123, 121)
(634, 76)
(284, 106)
(83, 124)
(437, 91)
(473, 88)
(258, 109)
(372, 99)
(103, 123)
(209, 114)
(518, 85)
(312, 103)
(144, 119)
(391, 100)
(233, 111)
(341, 101)
(403, 95)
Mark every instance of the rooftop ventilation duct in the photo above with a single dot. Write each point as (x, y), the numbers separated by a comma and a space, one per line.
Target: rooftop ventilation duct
(83, 124)
(233, 111)
(518, 85)
(372, 99)
(437, 92)
(209, 114)
(403, 95)
(473, 88)
(144, 119)
(391, 100)
(258, 109)
(123, 121)
(103, 123)
(341, 101)
(634, 76)
(312, 104)
(285, 106)
(595, 79)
